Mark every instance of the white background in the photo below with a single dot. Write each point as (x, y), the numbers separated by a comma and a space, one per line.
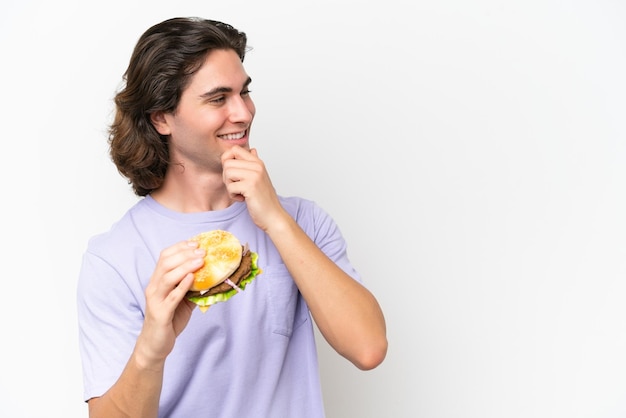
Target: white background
(471, 151)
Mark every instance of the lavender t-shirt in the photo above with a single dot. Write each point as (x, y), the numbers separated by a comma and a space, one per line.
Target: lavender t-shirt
(252, 356)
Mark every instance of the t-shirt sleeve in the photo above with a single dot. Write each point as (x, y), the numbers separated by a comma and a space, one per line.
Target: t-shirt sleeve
(329, 239)
(109, 320)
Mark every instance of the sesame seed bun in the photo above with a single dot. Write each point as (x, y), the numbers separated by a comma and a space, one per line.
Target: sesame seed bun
(223, 256)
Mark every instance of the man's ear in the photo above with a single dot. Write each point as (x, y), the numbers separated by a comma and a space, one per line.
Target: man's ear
(160, 123)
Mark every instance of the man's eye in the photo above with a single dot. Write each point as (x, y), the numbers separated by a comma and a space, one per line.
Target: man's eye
(246, 92)
(219, 99)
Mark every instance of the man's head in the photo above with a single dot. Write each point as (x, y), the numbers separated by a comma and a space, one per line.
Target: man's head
(165, 58)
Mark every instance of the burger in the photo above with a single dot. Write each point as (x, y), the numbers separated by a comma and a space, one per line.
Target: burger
(228, 268)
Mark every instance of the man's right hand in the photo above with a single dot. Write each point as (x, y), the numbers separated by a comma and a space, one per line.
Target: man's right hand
(167, 309)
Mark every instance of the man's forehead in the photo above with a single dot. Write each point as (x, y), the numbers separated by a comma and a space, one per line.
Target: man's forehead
(222, 69)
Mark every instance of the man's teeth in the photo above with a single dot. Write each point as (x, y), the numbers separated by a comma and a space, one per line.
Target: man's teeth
(233, 136)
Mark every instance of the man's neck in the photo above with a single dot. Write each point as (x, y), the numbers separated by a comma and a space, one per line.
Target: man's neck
(187, 194)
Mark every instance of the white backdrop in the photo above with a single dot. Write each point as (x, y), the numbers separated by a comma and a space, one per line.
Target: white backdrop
(471, 151)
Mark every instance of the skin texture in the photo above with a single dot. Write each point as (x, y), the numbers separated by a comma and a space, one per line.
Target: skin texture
(209, 171)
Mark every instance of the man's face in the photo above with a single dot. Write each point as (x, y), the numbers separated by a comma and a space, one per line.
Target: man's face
(214, 113)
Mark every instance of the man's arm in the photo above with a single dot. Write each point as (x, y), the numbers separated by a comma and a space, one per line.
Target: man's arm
(137, 392)
(349, 317)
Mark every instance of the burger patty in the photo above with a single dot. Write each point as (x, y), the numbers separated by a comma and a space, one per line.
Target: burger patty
(243, 271)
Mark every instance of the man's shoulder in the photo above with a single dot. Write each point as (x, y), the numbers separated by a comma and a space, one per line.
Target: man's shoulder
(296, 203)
(121, 231)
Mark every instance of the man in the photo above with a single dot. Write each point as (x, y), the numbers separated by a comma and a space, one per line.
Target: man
(181, 137)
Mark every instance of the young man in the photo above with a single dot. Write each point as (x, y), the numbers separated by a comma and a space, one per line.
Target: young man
(181, 137)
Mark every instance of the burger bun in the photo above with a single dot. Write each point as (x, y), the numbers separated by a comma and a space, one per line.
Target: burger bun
(223, 256)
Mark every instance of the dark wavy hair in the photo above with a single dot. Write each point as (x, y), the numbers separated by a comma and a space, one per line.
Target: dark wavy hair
(165, 58)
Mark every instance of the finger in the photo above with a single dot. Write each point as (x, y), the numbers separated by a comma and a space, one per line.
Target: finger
(188, 265)
(177, 248)
(230, 154)
(236, 189)
(173, 257)
(227, 155)
(178, 293)
(175, 284)
(238, 153)
(175, 263)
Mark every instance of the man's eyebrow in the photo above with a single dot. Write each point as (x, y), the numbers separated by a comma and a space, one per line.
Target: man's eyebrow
(219, 90)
